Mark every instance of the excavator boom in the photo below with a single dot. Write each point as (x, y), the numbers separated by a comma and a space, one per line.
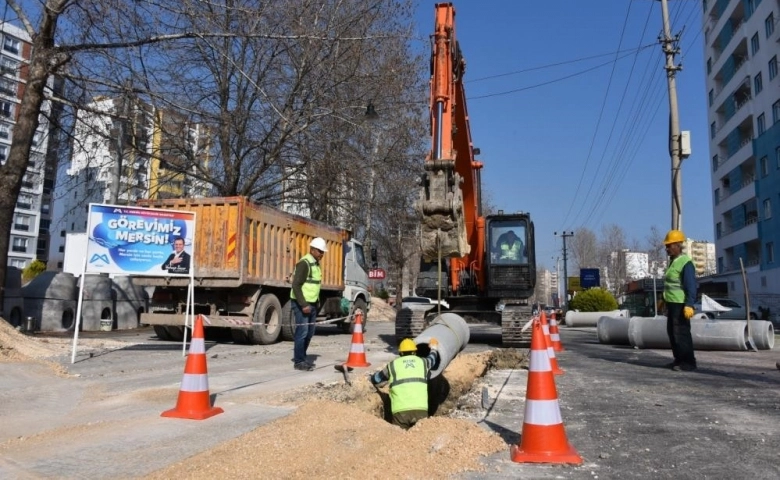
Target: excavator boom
(449, 201)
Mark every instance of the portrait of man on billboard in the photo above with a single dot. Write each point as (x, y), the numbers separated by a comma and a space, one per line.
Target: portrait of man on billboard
(177, 262)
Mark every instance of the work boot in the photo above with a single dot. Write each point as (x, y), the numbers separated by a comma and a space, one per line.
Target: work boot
(687, 367)
(672, 365)
(306, 367)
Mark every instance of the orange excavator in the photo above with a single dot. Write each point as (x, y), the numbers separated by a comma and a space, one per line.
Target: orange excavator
(484, 268)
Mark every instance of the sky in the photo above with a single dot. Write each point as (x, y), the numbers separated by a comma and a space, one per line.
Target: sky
(583, 143)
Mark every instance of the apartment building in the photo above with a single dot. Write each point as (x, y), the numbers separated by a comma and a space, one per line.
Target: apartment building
(123, 150)
(742, 46)
(702, 254)
(30, 230)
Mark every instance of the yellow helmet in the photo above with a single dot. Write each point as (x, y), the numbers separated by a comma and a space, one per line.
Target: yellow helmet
(407, 345)
(674, 236)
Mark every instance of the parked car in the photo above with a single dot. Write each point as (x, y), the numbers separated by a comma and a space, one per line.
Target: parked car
(737, 311)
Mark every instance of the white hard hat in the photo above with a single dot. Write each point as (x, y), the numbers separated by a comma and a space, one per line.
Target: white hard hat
(319, 244)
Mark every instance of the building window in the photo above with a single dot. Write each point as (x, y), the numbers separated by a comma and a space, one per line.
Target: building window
(777, 156)
(5, 130)
(62, 249)
(754, 45)
(710, 96)
(758, 84)
(715, 162)
(717, 196)
(8, 66)
(769, 24)
(59, 264)
(8, 87)
(709, 66)
(24, 201)
(22, 223)
(767, 208)
(773, 68)
(3, 153)
(718, 229)
(6, 109)
(764, 164)
(19, 245)
(761, 124)
(770, 252)
(776, 112)
(713, 130)
(11, 45)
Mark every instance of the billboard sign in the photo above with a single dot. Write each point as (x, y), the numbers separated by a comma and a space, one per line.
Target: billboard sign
(140, 241)
(589, 278)
(376, 274)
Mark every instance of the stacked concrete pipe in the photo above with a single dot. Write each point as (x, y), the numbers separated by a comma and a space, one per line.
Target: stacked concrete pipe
(650, 332)
(452, 333)
(575, 318)
(613, 330)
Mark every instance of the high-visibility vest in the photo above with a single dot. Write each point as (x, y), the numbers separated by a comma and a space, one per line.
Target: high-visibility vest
(311, 287)
(513, 251)
(408, 384)
(673, 290)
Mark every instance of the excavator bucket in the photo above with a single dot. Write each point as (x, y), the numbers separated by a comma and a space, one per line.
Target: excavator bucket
(443, 231)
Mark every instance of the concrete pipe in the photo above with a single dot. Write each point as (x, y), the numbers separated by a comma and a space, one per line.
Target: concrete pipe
(589, 319)
(644, 332)
(452, 333)
(613, 330)
(763, 334)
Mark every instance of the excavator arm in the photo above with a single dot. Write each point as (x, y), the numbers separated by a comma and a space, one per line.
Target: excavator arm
(450, 195)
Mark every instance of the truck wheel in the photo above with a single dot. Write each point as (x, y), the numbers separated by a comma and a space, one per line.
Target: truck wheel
(288, 322)
(162, 332)
(266, 321)
(240, 336)
(348, 326)
(176, 333)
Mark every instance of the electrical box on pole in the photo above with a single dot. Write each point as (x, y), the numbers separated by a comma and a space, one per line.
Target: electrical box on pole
(685, 144)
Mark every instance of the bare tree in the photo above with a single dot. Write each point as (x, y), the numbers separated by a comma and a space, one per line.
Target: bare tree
(611, 253)
(583, 248)
(656, 252)
(281, 87)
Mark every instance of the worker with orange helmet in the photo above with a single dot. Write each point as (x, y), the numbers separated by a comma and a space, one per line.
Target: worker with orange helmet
(679, 296)
(304, 297)
(408, 376)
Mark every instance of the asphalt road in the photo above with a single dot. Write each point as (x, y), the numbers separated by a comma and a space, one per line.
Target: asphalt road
(625, 415)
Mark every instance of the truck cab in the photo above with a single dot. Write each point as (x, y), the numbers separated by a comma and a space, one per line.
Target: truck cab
(511, 257)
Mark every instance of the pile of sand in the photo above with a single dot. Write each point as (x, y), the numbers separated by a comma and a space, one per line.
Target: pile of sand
(324, 439)
(381, 311)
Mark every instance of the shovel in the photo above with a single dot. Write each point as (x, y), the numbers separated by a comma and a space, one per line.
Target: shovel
(747, 307)
(345, 370)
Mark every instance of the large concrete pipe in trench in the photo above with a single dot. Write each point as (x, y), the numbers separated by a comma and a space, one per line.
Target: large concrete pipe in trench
(647, 332)
(589, 319)
(452, 333)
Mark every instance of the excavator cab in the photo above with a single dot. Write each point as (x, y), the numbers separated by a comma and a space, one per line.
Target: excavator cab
(511, 257)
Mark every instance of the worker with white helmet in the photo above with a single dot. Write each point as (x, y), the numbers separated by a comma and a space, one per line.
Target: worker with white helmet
(408, 376)
(305, 295)
(679, 296)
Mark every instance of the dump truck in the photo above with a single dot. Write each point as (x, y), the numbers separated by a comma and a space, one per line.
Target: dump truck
(243, 259)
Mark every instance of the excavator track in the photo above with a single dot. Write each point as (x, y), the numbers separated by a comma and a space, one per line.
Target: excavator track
(513, 318)
(410, 321)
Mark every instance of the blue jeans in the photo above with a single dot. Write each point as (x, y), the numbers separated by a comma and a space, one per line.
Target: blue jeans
(304, 330)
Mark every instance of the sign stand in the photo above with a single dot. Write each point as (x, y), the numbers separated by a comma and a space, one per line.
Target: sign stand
(78, 310)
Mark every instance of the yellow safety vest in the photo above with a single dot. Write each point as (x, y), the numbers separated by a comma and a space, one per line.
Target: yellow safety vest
(511, 252)
(311, 287)
(673, 291)
(408, 384)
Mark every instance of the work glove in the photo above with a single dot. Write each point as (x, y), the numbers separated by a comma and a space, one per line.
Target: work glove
(433, 344)
(688, 312)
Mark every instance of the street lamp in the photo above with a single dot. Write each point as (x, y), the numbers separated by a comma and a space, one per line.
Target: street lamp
(565, 234)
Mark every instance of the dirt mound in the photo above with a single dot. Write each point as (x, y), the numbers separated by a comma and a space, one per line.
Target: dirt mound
(381, 311)
(325, 439)
(15, 346)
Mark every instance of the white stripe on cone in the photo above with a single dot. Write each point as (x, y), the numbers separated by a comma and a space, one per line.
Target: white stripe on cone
(197, 345)
(542, 412)
(546, 330)
(551, 353)
(539, 362)
(555, 337)
(193, 382)
(358, 328)
(357, 348)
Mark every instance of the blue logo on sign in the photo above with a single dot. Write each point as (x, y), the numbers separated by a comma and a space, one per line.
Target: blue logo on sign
(99, 258)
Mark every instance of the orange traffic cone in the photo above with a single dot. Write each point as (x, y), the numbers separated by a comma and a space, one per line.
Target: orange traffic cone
(194, 400)
(550, 350)
(543, 439)
(357, 352)
(555, 334)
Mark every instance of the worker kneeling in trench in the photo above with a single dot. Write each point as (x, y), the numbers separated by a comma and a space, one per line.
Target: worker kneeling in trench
(408, 377)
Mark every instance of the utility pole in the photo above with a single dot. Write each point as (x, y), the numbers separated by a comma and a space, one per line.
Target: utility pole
(670, 49)
(565, 234)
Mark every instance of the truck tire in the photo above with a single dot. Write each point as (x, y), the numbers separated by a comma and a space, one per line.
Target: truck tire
(162, 332)
(267, 320)
(176, 334)
(348, 326)
(288, 322)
